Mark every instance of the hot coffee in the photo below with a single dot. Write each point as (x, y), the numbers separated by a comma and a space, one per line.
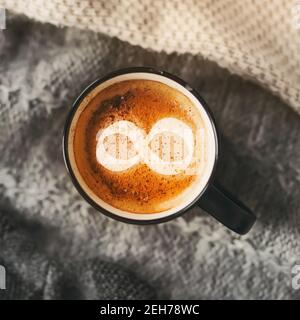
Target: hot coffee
(141, 146)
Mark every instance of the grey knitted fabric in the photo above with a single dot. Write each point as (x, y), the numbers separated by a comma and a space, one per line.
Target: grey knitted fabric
(253, 38)
(54, 245)
(33, 274)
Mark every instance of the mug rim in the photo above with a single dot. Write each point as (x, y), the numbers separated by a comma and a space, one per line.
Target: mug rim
(73, 111)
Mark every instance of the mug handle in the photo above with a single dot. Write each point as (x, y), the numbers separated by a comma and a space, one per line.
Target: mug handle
(228, 210)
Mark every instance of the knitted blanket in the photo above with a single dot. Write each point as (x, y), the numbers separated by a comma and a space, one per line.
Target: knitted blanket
(254, 38)
(54, 245)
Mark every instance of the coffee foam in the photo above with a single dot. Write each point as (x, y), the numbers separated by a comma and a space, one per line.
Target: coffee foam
(115, 162)
(190, 185)
(168, 148)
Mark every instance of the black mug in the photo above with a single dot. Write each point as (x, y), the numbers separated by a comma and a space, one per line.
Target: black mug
(212, 198)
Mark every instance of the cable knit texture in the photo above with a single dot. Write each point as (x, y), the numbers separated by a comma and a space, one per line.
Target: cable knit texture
(54, 245)
(254, 38)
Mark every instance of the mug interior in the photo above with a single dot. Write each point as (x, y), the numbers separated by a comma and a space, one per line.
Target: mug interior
(139, 74)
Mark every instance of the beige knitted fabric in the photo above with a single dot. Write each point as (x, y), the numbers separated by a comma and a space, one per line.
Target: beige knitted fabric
(259, 39)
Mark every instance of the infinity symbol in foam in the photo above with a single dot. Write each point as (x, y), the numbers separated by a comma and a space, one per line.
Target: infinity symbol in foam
(118, 156)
